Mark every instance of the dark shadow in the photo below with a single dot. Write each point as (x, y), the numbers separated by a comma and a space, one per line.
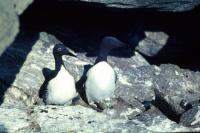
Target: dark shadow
(82, 25)
(182, 47)
(147, 105)
(166, 109)
(13, 59)
(79, 25)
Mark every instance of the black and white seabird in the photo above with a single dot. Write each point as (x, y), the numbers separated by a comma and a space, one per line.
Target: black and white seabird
(61, 87)
(101, 78)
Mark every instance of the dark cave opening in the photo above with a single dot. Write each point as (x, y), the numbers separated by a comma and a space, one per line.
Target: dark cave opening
(91, 22)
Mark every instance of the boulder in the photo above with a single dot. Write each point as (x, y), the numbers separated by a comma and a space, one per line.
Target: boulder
(157, 122)
(20, 5)
(152, 43)
(21, 84)
(9, 23)
(22, 69)
(160, 5)
(173, 87)
(191, 118)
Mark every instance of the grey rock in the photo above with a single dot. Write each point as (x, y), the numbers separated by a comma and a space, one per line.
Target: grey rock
(30, 77)
(152, 43)
(121, 109)
(28, 57)
(172, 85)
(161, 5)
(148, 116)
(27, 82)
(157, 122)
(20, 5)
(167, 85)
(13, 119)
(191, 118)
(137, 86)
(79, 119)
(9, 25)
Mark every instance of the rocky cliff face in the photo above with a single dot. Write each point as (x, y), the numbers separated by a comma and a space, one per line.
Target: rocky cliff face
(148, 98)
(161, 5)
(9, 23)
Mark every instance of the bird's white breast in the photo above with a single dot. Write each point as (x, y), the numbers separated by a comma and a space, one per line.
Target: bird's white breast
(100, 82)
(61, 89)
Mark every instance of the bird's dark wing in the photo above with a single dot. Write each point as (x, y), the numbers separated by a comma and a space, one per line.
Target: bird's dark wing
(48, 75)
(80, 85)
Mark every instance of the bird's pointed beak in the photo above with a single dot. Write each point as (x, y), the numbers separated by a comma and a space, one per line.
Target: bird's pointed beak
(124, 45)
(70, 52)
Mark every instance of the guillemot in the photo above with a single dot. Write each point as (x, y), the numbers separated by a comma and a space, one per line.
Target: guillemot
(60, 89)
(101, 78)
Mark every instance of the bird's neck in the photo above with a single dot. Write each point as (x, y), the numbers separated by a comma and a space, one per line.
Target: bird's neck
(58, 63)
(102, 56)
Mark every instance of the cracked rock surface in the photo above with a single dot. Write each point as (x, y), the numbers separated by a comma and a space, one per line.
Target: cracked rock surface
(161, 5)
(141, 90)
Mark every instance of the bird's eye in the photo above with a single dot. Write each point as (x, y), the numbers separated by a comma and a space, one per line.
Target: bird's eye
(59, 49)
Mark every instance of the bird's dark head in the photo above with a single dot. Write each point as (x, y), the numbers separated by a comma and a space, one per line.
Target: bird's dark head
(108, 43)
(60, 49)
